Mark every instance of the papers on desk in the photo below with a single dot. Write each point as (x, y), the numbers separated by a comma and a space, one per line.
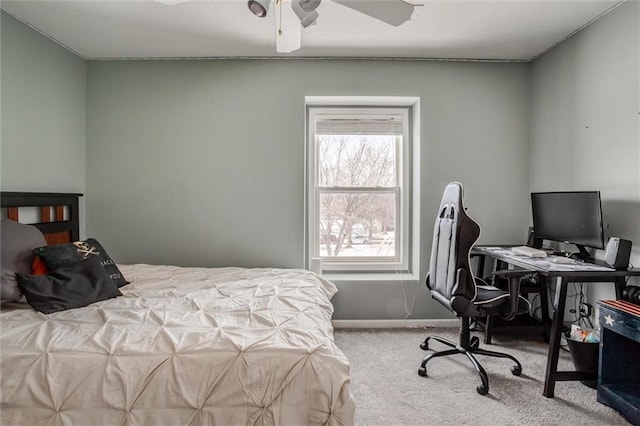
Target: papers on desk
(576, 266)
(546, 262)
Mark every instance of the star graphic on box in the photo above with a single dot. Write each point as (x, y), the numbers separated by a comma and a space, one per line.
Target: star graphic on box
(608, 320)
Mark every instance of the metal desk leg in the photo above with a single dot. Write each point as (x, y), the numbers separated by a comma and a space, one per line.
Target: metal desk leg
(554, 341)
(544, 308)
(620, 284)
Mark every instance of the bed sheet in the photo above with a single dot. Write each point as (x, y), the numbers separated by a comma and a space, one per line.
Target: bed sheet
(223, 346)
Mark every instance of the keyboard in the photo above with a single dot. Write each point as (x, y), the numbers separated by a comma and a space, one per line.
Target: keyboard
(529, 251)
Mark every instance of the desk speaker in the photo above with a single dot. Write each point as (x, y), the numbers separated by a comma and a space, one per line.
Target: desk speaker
(532, 240)
(617, 253)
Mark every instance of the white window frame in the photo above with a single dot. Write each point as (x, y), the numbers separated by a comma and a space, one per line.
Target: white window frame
(408, 159)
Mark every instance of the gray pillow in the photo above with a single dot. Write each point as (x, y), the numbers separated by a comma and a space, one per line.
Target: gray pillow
(9, 291)
(16, 255)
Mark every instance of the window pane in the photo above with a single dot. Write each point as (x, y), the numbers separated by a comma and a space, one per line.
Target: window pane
(357, 160)
(357, 224)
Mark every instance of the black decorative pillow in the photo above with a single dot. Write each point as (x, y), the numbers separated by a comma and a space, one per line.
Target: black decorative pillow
(60, 255)
(79, 284)
(18, 242)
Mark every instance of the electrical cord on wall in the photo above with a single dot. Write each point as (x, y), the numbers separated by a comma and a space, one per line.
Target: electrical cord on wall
(537, 308)
(582, 309)
(408, 310)
(576, 302)
(552, 292)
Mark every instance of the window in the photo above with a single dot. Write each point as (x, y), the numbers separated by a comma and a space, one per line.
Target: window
(359, 187)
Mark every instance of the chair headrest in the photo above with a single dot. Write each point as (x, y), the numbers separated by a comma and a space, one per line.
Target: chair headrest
(452, 196)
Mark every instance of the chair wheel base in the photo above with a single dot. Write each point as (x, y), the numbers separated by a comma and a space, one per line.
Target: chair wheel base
(516, 370)
(482, 390)
(422, 371)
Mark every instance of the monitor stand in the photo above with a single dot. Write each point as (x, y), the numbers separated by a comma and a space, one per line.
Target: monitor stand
(582, 255)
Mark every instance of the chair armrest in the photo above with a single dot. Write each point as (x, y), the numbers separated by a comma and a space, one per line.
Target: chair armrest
(514, 276)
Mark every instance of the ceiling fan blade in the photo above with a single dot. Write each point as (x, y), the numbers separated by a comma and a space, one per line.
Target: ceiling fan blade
(394, 12)
(288, 29)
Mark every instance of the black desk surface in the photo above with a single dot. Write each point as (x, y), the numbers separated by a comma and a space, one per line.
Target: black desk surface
(544, 265)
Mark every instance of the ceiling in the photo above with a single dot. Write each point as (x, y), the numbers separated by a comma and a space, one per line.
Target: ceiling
(515, 30)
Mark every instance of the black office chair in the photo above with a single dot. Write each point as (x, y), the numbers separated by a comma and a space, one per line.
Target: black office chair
(529, 284)
(452, 283)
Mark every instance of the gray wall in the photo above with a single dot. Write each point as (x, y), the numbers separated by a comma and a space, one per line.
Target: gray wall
(44, 89)
(201, 162)
(585, 123)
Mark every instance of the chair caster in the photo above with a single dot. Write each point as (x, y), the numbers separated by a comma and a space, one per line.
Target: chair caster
(516, 370)
(422, 371)
(474, 343)
(425, 345)
(482, 390)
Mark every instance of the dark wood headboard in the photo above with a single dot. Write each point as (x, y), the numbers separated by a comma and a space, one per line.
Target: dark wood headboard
(52, 223)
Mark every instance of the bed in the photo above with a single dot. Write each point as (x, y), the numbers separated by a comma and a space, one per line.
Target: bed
(181, 346)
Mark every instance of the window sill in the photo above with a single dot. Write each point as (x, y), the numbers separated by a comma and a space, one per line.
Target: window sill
(369, 276)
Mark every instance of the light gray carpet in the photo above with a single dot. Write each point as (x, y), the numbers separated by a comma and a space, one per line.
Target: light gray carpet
(388, 390)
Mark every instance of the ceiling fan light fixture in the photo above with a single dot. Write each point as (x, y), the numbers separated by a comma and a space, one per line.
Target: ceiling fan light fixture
(310, 20)
(308, 5)
(259, 7)
(306, 11)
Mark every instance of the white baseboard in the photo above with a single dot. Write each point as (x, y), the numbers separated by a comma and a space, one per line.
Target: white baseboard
(415, 323)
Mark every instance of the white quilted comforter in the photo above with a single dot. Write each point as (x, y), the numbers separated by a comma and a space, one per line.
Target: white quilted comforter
(183, 346)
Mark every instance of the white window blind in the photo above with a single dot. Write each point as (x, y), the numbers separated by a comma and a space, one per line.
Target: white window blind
(391, 125)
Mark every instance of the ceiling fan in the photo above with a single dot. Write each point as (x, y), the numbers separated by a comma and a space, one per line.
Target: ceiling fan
(293, 15)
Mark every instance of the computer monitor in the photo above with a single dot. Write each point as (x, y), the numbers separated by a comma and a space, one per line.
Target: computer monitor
(573, 217)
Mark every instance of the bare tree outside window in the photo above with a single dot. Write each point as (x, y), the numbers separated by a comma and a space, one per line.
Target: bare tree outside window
(357, 179)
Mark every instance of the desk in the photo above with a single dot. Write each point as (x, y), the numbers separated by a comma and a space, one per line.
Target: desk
(563, 274)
